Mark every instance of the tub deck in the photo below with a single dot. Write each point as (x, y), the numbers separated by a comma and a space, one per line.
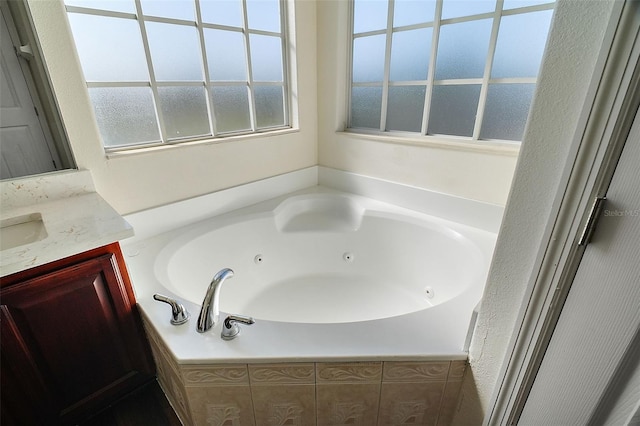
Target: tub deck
(434, 334)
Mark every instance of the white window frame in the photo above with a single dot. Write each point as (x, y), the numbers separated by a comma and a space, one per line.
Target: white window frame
(206, 83)
(430, 82)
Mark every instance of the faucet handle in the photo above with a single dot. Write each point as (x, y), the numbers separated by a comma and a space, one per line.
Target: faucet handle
(230, 328)
(179, 314)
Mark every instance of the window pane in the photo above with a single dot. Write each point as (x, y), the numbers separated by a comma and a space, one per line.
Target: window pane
(520, 44)
(453, 110)
(266, 57)
(222, 12)
(177, 9)
(231, 107)
(409, 12)
(462, 49)
(370, 15)
(125, 115)
(126, 6)
(506, 111)
(368, 58)
(405, 107)
(458, 8)
(175, 52)
(410, 55)
(184, 111)
(269, 106)
(226, 55)
(264, 15)
(366, 105)
(110, 49)
(512, 4)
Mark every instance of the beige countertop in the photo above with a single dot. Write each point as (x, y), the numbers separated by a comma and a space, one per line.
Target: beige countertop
(75, 219)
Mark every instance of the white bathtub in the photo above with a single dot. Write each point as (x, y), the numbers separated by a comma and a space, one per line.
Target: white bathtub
(326, 275)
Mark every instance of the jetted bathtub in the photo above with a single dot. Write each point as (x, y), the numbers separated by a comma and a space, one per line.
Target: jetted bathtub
(326, 275)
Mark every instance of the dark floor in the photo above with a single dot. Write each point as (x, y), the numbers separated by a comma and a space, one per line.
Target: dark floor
(146, 407)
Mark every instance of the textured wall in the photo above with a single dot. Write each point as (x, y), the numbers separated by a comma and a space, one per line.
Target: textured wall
(574, 44)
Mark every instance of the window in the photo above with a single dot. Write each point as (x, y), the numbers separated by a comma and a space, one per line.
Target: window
(179, 70)
(457, 68)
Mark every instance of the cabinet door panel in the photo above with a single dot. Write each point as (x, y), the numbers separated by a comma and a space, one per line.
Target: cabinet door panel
(76, 328)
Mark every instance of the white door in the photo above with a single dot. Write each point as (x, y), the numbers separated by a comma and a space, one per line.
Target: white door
(23, 145)
(590, 374)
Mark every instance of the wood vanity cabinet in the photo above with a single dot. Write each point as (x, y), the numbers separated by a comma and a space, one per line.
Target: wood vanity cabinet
(72, 342)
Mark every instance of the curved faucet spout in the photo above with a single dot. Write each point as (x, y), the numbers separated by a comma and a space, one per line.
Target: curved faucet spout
(210, 311)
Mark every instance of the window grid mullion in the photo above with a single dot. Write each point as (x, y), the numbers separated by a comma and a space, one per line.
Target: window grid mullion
(286, 98)
(484, 89)
(205, 71)
(247, 45)
(152, 75)
(387, 67)
(432, 68)
(350, 63)
(100, 12)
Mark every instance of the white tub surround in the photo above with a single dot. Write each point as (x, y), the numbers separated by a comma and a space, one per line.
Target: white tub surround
(477, 214)
(318, 228)
(148, 223)
(57, 215)
(155, 221)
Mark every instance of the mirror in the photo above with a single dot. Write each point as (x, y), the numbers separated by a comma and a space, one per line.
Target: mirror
(32, 137)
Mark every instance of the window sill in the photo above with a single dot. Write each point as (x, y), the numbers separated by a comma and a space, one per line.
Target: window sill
(499, 147)
(118, 152)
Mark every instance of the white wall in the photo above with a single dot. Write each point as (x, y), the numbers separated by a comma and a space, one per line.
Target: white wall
(482, 172)
(136, 181)
(574, 44)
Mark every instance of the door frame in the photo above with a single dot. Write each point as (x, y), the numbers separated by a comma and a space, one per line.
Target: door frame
(613, 99)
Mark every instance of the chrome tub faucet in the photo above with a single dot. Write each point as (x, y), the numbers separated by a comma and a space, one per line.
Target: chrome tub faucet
(210, 310)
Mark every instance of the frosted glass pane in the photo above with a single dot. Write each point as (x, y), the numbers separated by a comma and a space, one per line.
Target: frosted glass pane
(225, 55)
(462, 49)
(512, 4)
(126, 6)
(410, 54)
(231, 107)
(506, 111)
(368, 58)
(409, 12)
(264, 15)
(370, 15)
(175, 52)
(266, 57)
(521, 42)
(125, 115)
(405, 107)
(458, 8)
(269, 106)
(110, 49)
(177, 9)
(184, 111)
(222, 12)
(366, 105)
(453, 110)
